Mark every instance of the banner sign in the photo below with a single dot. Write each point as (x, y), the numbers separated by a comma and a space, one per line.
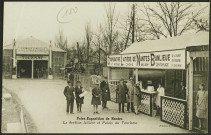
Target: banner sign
(154, 60)
(32, 50)
(32, 57)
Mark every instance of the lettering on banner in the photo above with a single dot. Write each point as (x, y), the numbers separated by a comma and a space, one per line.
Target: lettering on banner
(114, 61)
(32, 50)
(160, 60)
(29, 57)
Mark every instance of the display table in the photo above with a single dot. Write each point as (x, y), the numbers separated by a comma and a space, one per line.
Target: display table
(148, 98)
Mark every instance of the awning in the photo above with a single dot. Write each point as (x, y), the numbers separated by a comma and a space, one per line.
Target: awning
(168, 53)
(172, 43)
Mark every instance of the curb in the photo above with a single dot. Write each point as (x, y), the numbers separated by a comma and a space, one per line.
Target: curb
(24, 126)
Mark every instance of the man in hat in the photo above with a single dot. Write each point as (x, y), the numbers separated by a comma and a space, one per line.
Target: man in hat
(130, 97)
(70, 96)
(121, 91)
(105, 92)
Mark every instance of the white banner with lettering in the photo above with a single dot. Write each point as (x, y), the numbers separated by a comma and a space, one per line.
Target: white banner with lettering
(175, 59)
(32, 57)
(33, 50)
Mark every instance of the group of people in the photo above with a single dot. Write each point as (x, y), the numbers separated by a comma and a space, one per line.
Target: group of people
(99, 93)
(129, 93)
(73, 93)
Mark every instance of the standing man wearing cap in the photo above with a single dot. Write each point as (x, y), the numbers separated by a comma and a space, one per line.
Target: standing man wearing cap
(121, 94)
(105, 92)
(69, 93)
(130, 97)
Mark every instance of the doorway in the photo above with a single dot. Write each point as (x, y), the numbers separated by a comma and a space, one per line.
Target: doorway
(199, 77)
(24, 68)
(40, 69)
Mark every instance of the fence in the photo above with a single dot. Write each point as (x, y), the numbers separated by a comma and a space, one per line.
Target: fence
(174, 111)
(146, 103)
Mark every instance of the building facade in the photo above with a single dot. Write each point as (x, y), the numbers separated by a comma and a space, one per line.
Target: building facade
(32, 58)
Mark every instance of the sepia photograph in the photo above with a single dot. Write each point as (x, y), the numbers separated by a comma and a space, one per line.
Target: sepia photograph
(105, 67)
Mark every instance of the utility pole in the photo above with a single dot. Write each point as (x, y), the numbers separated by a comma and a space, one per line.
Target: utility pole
(78, 52)
(133, 23)
(132, 26)
(99, 56)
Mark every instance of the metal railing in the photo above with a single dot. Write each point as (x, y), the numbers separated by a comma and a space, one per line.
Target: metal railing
(174, 111)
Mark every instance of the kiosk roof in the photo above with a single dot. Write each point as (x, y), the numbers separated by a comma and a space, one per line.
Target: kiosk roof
(172, 43)
(32, 42)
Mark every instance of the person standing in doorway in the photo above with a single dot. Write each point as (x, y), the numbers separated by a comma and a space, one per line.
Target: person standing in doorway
(121, 91)
(70, 96)
(202, 106)
(79, 100)
(137, 97)
(161, 92)
(96, 93)
(105, 92)
(130, 97)
(182, 92)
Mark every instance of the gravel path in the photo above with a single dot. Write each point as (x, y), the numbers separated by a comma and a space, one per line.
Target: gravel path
(46, 103)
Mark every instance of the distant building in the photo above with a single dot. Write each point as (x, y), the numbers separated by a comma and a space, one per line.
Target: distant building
(32, 58)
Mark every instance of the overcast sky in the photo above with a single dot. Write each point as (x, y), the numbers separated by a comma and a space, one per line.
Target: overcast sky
(39, 19)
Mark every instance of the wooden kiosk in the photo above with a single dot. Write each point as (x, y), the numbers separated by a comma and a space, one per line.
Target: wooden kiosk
(182, 58)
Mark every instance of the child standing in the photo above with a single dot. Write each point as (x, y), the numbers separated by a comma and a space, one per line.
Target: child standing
(96, 93)
(79, 100)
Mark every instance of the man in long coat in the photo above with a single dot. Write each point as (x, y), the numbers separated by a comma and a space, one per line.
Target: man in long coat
(130, 97)
(121, 91)
(70, 96)
(105, 92)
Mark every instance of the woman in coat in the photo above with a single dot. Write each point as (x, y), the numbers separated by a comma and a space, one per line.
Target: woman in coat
(79, 100)
(137, 97)
(202, 105)
(121, 92)
(96, 93)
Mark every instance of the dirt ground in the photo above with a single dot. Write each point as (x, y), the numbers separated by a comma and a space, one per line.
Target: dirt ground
(45, 102)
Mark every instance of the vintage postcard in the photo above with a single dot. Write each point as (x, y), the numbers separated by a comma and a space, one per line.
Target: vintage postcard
(105, 67)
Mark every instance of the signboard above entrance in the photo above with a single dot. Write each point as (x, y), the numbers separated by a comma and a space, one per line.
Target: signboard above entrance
(175, 59)
(32, 57)
(32, 50)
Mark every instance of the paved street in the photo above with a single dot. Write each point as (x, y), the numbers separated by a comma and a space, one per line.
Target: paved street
(46, 103)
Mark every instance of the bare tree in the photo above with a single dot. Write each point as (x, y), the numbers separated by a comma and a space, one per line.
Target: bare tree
(60, 40)
(88, 37)
(132, 28)
(200, 25)
(168, 19)
(110, 33)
